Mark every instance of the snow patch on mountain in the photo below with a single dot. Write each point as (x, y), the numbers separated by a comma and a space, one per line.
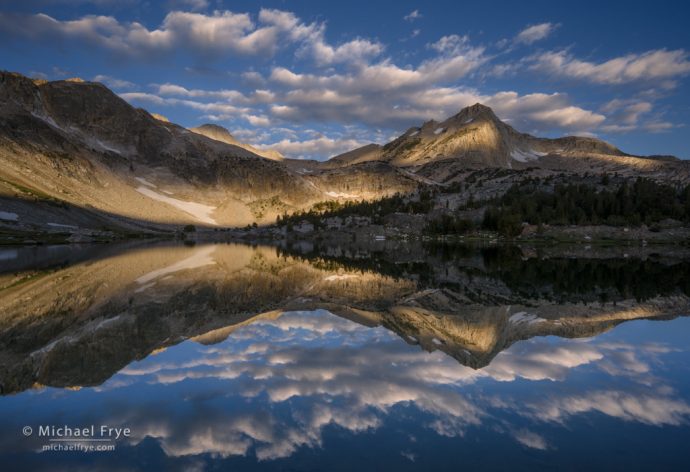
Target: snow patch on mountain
(525, 318)
(60, 225)
(526, 155)
(333, 278)
(340, 195)
(8, 216)
(97, 143)
(198, 210)
(145, 182)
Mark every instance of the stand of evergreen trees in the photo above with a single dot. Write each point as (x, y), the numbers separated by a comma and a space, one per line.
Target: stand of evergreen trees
(536, 202)
(642, 202)
(422, 203)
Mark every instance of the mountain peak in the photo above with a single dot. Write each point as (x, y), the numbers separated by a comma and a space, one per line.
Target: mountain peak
(219, 133)
(216, 132)
(214, 127)
(474, 112)
(475, 136)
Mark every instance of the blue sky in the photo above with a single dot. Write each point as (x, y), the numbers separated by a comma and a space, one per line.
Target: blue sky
(313, 79)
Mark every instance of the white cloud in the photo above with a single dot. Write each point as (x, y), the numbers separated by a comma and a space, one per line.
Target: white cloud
(626, 115)
(194, 5)
(326, 370)
(379, 95)
(452, 44)
(539, 111)
(535, 33)
(224, 108)
(213, 34)
(143, 97)
(653, 65)
(312, 38)
(222, 94)
(357, 50)
(258, 120)
(316, 147)
(386, 95)
(112, 82)
(653, 409)
(413, 15)
(221, 32)
(358, 87)
(530, 439)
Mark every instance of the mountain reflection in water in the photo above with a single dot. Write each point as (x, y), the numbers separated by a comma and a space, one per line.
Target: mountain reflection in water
(259, 357)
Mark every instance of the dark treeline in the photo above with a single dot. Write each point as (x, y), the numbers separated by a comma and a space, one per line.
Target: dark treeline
(533, 201)
(559, 279)
(565, 279)
(422, 203)
(642, 201)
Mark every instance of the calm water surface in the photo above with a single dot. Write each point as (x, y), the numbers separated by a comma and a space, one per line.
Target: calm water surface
(229, 357)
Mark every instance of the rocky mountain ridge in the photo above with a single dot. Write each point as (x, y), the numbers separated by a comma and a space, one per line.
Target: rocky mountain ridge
(219, 133)
(476, 137)
(76, 144)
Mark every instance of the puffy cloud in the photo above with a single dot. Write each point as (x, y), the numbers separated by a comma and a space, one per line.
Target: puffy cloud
(112, 82)
(539, 111)
(413, 15)
(625, 115)
(358, 87)
(453, 45)
(530, 439)
(275, 385)
(535, 361)
(316, 147)
(535, 33)
(143, 97)
(387, 95)
(221, 32)
(213, 34)
(358, 98)
(629, 110)
(258, 120)
(648, 66)
(357, 50)
(352, 376)
(653, 409)
(411, 97)
(178, 90)
(221, 108)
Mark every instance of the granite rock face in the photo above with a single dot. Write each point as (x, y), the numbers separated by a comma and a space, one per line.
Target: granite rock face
(79, 144)
(476, 138)
(76, 145)
(223, 135)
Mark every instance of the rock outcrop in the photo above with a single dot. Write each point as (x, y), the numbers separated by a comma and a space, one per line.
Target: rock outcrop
(77, 144)
(476, 138)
